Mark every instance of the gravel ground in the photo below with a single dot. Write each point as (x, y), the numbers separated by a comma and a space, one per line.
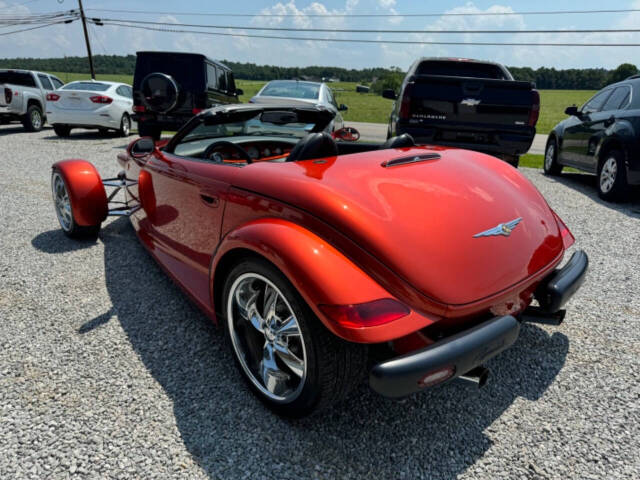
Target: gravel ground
(107, 371)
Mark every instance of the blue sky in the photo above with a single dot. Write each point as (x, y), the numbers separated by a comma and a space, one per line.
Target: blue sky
(67, 39)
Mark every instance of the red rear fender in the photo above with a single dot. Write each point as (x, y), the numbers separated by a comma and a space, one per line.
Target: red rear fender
(321, 274)
(87, 194)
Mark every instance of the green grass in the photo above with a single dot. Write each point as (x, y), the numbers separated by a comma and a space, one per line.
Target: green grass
(531, 160)
(367, 107)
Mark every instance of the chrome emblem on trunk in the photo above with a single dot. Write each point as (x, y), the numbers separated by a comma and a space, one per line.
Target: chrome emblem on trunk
(503, 229)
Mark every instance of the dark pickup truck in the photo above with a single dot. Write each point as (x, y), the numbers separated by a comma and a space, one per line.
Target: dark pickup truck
(468, 104)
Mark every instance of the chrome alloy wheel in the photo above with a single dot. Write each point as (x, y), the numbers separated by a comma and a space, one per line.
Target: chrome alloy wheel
(548, 157)
(608, 174)
(62, 202)
(266, 337)
(36, 118)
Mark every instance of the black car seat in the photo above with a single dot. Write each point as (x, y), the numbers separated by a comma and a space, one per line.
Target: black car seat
(314, 145)
(401, 141)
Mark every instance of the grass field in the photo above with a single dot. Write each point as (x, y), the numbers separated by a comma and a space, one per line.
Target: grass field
(367, 107)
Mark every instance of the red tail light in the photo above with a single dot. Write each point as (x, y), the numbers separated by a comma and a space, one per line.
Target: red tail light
(101, 99)
(7, 95)
(567, 237)
(535, 108)
(53, 97)
(367, 314)
(139, 108)
(196, 111)
(405, 103)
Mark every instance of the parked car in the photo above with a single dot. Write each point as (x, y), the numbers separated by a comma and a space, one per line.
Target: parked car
(427, 256)
(91, 104)
(295, 92)
(23, 97)
(169, 88)
(466, 103)
(601, 137)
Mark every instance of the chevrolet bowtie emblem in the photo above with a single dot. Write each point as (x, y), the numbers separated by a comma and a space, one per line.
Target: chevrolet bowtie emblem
(471, 102)
(503, 229)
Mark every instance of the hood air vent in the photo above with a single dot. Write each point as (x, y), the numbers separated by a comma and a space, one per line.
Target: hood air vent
(410, 159)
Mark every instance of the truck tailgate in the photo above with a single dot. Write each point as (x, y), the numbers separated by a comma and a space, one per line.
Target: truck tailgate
(470, 112)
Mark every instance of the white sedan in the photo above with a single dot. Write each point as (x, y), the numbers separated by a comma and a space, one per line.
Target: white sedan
(91, 104)
(295, 92)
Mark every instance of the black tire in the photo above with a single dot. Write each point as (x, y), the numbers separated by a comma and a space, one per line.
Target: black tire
(67, 222)
(612, 177)
(62, 130)
(125, 126)
(550, 163)
(145, 130)
(33, 119)
(333, 367)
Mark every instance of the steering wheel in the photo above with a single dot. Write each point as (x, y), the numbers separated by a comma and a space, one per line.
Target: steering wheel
(212, 149)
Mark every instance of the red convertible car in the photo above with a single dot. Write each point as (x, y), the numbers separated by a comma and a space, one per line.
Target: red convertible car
(329, 260)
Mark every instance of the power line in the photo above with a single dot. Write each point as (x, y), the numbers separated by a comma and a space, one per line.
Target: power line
(360, 30)
(373, 15)
(35, 28)
(344, 40)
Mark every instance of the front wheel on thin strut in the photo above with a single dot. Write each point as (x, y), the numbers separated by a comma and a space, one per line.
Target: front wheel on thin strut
(288, 358)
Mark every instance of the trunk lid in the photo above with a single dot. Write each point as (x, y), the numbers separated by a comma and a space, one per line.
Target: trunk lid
(421, 217)
(79, 99)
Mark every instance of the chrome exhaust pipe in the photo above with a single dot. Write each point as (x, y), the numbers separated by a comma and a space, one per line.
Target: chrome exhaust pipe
(478, 376)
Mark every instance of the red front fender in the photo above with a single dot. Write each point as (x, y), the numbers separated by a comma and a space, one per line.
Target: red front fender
(321, 274)
(86, 192)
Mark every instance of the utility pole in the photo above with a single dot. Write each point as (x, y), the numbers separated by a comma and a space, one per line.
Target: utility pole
(86, 39)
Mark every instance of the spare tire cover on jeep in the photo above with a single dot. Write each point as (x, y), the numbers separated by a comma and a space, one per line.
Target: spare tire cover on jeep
(159, 92)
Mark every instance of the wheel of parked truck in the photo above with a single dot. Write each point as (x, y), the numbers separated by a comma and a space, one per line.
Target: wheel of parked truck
(64, 211)
(612, 177)
(145, 130)
(159, 92)
(62, 130)
(33, 120)
(513, 160)
(125, 126)
(288, 358)
(551, 165)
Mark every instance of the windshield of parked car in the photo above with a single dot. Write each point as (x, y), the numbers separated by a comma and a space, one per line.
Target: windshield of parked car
(91, 86)
(291, 89)
(461, 69)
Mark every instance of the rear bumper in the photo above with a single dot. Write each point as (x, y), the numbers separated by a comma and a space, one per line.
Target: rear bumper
(164, 122)
(491, 141)
(461, 353)
(560, 285)
(101, 118)
(456, 355)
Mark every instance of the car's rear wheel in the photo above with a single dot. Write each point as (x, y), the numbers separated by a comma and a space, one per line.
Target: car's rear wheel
(612, 177)
(125, 126)
(62, 130)
(64, 210)
(33, 120)
(288, 358)
(551, 165)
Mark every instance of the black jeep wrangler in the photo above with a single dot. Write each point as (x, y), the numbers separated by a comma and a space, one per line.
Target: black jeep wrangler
(169, 88)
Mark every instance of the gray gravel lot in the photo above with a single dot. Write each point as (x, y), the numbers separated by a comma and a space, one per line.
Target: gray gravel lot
(107, 371)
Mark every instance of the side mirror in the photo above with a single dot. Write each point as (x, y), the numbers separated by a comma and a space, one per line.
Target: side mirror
(347, 134)
(343, 107)
(142, 147)
(239, 91)
(389, 93)
(572, 111)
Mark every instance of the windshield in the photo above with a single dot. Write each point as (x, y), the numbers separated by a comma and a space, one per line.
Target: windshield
(91, 86)
(290, 89)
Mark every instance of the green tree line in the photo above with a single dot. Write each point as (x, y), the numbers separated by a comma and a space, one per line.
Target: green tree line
(544, 78)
